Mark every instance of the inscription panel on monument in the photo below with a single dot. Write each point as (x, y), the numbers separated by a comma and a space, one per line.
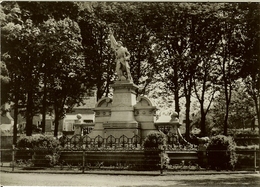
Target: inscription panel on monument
(122, 99)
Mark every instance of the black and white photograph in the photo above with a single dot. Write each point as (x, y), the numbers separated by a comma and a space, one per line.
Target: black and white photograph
(130, 93)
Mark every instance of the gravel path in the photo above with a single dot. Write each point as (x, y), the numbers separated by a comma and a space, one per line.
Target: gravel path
(94, 180)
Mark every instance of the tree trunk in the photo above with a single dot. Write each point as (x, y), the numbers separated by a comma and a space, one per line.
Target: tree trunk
(44, 106)
(187, 133)
(15, 119)
(226, 122)
(43, 122)
(56, 119)
(16, 99)
(258, 116)
(99, 91)
(98, 94)
(258, 119)
(29, 115)
(228, 99)
(187, 112)
(203, 121)
(176, 100)
(176, 90)
(56, 126)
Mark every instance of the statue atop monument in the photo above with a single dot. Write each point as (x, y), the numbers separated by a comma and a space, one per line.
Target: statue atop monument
(122, 58)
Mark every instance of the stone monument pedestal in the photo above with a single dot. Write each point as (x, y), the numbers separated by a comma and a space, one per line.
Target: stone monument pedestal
(122, 120)
(124, 114)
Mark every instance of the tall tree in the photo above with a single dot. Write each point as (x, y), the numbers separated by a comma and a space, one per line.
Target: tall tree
(9, 92)
(97, 54)
(240, 110)
(19, 39)
(250, 54)
(205, 45)
(169, 44)
(250, 51)
(205, 89)
(123, 18)
(61, 45)
(39, 12)
(183, 41)
(131, 16)
(228, 55)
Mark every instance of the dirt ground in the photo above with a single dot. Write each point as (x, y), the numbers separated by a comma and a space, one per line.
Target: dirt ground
(97, 180)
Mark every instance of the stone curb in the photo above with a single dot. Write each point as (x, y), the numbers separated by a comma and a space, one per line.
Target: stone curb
(110, 172)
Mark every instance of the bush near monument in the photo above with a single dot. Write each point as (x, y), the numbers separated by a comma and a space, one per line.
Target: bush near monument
(39, 148)
(221, 152)
(154, 140)
(37, 142)
(154, 144)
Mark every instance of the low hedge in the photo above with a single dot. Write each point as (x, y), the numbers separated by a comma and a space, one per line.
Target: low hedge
(154, 143)
(221, 152)
(37, 142)
(154, 140)
(39, 148)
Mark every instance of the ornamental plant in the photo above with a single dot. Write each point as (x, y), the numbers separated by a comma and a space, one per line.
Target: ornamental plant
(221, 152)
(37, 142)
(154, 144)
(155, 140)
(43, 150)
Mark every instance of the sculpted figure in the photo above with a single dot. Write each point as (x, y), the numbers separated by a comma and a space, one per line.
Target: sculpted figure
(122, 58)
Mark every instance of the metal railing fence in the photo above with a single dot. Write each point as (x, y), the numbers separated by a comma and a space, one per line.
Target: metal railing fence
(19, 158)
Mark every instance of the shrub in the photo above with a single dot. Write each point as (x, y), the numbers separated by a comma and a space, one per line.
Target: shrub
(221, 152)
(53, 159)
(153, 144)
(41, 149)
(155, 140)
(37, 142)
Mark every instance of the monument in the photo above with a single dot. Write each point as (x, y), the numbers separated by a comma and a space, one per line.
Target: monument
(125, 114)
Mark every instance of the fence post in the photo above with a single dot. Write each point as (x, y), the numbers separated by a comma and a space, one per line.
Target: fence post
(255, 158)
(162, 153)
(13, 157)
(161, 169)
(83, 158)
(202, 155)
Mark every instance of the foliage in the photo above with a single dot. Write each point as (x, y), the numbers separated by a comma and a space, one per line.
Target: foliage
(37, 142)
(42, 11)
(185, 167)
(20, 53)
(241, 108)
(5, 79)
(39, 52)
(161, 98)
(5, 86)
(61, 45)
(155, 140)
(245, 132)
(95, 20)
(184, 50)
(177, 48)
(99, 66)
(165, 160)
(228, 54)
(53, 159)
(221, 152)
